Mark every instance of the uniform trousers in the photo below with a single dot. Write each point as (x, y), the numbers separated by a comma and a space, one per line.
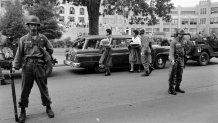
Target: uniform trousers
(175, 74)
(31, 72)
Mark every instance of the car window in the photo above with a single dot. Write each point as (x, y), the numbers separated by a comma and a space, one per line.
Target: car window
(120, 43)
(93, 44)
(79, 43)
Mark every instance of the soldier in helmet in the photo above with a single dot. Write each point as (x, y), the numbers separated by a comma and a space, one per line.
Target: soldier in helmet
(176, 56)
(30, 57)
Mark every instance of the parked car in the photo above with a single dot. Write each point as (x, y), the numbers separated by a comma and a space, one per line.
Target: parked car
(85, 53)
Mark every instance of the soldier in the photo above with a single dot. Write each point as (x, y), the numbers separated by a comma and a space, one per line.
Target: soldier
(145, 52)
(2, 42)
(106, 57)
(30, 57)
(176, 56)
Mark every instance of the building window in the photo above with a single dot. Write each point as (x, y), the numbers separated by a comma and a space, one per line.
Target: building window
(72, 19)
(81, 19)
(148, 30)
(166, 23)
(61, 10)
(166, 29)
(203, 11)
(202, 20)
(185, 21)
(174, 12)
(82, 12)
(156, 29)
(214, 10)
(193, 21)
(72, 10)
(174, 22)
(187, 12)
(61, 18)
(214, 20)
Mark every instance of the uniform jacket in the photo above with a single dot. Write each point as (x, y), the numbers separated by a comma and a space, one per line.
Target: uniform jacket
(28, 47)
(145, 44)
(177, 48)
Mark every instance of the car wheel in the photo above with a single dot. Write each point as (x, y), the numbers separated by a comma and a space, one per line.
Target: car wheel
(98, 69)
(160, 62)
(203, 59)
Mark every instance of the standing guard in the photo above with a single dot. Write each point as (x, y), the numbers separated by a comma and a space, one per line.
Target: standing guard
(176, 56)
(31, 59)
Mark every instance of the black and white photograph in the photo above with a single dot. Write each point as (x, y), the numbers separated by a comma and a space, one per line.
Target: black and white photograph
(108, 61)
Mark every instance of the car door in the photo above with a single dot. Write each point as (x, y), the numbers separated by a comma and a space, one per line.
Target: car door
(120, 55)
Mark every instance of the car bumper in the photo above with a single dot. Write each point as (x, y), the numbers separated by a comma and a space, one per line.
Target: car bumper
(71, 63)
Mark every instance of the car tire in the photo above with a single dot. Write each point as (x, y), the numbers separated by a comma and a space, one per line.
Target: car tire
(97, 69)
(190, 47)
(160, 62)
(203, 59)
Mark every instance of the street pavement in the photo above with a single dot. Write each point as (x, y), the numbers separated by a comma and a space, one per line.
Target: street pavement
(81, 96)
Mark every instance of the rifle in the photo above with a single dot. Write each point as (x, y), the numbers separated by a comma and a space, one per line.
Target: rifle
(13, 95)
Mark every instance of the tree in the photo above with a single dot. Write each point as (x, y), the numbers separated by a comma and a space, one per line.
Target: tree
(93, 7)
(45, 10)
(148, 8)
(151, 9)
(13, 24)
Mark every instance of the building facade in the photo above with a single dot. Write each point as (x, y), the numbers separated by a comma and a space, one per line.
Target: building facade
(200, 18)
(71, 15)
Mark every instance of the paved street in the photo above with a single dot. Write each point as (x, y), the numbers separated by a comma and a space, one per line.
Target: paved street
(81, 96)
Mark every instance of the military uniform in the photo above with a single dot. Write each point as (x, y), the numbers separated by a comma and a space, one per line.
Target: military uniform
(30, 58)
(177, 53)
(145, 53)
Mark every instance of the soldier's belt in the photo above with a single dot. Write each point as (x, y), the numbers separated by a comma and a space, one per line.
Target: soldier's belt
(35, 61)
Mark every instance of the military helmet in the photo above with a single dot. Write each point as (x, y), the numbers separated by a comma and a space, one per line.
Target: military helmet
(32, 19)
(180, 31)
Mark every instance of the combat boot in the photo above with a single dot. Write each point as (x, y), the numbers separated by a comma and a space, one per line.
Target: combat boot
(49, 111)
(171, 90)
(22, 117)
(177, 89)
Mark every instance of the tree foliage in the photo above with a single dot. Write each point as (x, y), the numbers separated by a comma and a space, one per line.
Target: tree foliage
(13, 24)
(142, 10)
(136, 9)
(46, 11)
